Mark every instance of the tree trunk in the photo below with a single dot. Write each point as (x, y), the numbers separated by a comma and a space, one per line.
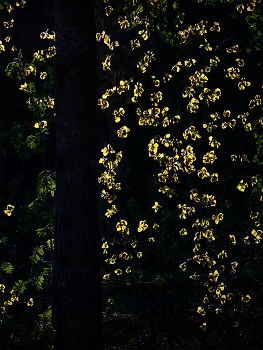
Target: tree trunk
(76, 293)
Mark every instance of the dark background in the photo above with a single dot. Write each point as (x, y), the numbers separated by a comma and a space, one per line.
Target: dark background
(166, 308)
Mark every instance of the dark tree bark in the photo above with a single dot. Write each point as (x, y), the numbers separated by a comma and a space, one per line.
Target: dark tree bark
(77, 277)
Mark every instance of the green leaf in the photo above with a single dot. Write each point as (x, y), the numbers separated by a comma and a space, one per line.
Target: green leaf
(42, 231)
(34, 204)
(7, 267)
(40, 251)
(19, 288)
(39, 283)
(46, 316)
(248, 50)
(33, 141)
(139, 8)
(45, 183)
(254, 16)
(175, 5)
(47, 270)
(258, 46)
(235, 15)
(49, 242)
(35, 257)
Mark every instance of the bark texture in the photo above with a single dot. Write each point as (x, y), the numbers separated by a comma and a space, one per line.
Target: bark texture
(77, 277)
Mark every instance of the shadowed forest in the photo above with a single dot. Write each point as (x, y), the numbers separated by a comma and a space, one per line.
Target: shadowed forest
(166, 184)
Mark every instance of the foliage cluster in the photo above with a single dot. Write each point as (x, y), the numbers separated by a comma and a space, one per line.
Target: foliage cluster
(181, 181)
